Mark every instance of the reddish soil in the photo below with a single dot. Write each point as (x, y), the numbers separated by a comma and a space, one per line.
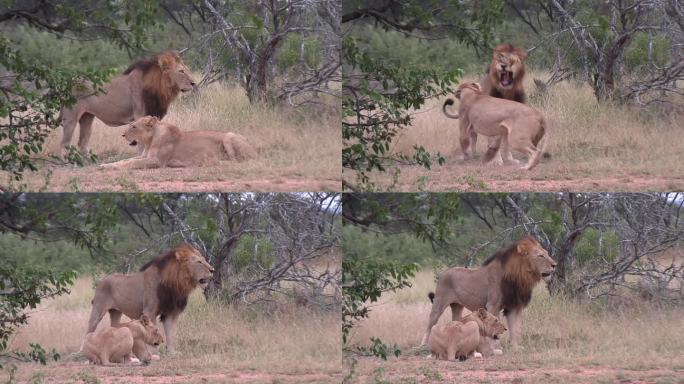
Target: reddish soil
(79, 372)
(421, 369)
(475, 177)
(205, 179)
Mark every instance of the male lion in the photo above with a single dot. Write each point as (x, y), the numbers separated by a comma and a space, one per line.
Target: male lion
(509, 123)
(147, 87)
(167, 146)
(161, 288)
(119, 344)
(505, 281)
(461, 339)
(504, 79)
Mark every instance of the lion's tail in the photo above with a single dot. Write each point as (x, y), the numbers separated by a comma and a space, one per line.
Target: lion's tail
(448, 102)
(541, 144)
(431, 296)
(237, 147)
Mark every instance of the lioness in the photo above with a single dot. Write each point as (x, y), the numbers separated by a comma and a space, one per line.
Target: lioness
(511, 124)
(164, 145)
(461, 339)
(118, 344)
(504, 80)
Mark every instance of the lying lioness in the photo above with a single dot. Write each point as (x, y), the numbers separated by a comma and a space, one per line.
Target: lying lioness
(461, 339)
(119, 344)
(507, 123)
(164, 145)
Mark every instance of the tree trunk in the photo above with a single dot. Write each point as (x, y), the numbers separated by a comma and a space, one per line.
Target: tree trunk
(565, 260)
(257, 81)
(215, 287)
(604, 80)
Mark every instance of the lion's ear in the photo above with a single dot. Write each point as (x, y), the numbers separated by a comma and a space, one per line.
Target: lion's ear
(151, 121)
(183, 254)
(523, 248)
(482, 313)
(166, 61)
(144, 320)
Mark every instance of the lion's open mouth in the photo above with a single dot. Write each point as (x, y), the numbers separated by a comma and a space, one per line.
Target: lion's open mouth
(546, 274)
(156, 344)
(506, 78)
(133, 143)
(495, 337)
(203, 281)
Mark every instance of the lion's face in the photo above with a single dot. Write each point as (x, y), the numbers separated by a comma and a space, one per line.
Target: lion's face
(198, 267)
(140, 131)
(506, 67)
(492, 326)
(171, 63)
(181, 76)
(152, 335)
(538, 256)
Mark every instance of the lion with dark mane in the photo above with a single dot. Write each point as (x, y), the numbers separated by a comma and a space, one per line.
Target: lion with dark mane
(147, 87)
(160, 289)
(504, 282)
(504, 79)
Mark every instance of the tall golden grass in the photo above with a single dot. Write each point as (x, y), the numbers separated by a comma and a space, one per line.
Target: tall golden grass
(557, 331)
(299, 144)
(211, 337)
(586, 139)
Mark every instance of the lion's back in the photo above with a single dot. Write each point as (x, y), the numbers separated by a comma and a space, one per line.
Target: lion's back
(113, 342)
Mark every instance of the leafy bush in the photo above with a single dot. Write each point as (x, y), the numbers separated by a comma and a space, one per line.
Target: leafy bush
(23, 288)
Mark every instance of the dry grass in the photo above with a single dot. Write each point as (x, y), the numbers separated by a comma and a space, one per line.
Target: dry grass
(593, 147)
(560, 336)
(229, 343)
(297, 150)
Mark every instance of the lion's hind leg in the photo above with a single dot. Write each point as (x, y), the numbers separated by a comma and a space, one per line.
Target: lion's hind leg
(493, 154)
(507, 154)
(438, 306)
(237, 147)
(473, 141)
(86, 128)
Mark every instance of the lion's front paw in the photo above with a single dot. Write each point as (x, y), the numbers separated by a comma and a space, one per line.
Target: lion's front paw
(498, 352)
(477, 355)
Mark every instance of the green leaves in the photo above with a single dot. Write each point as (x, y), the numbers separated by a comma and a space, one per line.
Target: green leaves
(379, 93)
(22, 288)
(376, 107)
(33, 92)
(364, 280)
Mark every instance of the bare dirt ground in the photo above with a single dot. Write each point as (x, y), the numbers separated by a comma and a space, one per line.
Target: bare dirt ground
(550, 176)
(79, 372)
(593, 147)
(223, 177)
(506, 369)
